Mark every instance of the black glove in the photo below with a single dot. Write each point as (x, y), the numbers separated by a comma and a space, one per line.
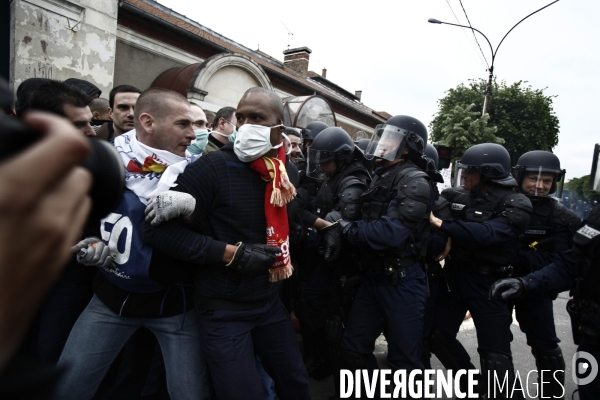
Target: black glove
(332, 241)
(336, 216)
(509, 288)
(253, 259)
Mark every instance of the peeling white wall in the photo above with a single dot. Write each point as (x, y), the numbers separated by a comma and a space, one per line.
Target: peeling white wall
(61, 39)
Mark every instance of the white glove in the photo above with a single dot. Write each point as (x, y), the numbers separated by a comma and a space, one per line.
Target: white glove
(167, 205)
(93, 252)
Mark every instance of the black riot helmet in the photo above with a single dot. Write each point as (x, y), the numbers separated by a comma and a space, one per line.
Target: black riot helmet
(362, 144)
(490, 160)
(431, 157)
(538, 162)
(312, 130)
(432, 154)
(330, 144)
(390, 139)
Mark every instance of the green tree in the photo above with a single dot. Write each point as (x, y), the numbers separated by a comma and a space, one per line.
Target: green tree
(523, 117)
(579, 188)
(462, 127)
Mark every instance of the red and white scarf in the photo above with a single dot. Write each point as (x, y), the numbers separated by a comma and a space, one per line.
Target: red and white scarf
(148, 170)
(277, 195)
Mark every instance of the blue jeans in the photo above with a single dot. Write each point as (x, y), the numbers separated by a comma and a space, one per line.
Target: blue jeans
(98, 336)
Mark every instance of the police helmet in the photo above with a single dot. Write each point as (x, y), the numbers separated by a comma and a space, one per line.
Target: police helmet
(432, 154)
(490, 160)
(539, 161)
(390, 139)
(330, 144)
(362, 144)
(313, 129)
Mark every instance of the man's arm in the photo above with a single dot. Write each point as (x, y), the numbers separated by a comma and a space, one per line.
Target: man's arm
(381, 234)
(191, 242)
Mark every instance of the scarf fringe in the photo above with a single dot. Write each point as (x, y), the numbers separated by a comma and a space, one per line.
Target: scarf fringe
(278, 274)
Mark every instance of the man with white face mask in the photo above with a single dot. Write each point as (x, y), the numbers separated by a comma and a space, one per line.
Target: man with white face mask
(239, 271)
(223, 129)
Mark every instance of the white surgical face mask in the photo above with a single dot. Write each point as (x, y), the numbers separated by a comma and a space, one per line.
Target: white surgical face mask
(254, 141)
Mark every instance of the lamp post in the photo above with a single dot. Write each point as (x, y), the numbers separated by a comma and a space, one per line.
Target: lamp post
(488, 89)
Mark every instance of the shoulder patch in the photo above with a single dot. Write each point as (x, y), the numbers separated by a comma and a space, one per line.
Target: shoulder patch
(588, 232)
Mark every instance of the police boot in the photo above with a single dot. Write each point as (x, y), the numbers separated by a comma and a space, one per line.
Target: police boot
(444, 348)
(498, 376)
(553, 377)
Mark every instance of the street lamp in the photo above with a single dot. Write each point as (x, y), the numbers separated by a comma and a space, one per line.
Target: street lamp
(488, 89)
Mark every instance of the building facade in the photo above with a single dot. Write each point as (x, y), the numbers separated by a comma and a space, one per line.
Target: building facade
(144, 44)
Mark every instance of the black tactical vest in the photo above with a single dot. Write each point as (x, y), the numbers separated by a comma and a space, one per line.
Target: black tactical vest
(327, 196)
(384, 187)
(587, 244)
(480, 208)
(375, 203)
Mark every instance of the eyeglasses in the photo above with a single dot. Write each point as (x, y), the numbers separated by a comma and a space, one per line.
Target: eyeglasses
(229, 122)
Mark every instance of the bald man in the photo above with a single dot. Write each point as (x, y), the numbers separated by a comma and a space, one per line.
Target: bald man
(135, 286)
(239, 308)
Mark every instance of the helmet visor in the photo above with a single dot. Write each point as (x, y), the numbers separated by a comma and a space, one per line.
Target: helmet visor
(387, 142)
(321, 164)
(539, 182)
(595, 174)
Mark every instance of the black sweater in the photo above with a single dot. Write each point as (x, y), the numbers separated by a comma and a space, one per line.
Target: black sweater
(229, 209)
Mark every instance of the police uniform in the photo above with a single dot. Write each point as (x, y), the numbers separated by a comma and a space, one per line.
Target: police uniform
(320, 328)
(484, 234)
(391, 234)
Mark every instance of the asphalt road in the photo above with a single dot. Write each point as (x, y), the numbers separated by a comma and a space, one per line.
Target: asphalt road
(523, 360)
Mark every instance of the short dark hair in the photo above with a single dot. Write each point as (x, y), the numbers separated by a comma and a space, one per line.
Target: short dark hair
(225, 112)
(154, 102)
(121, 89)
(54, 95)
(293, 131)
(99, 104)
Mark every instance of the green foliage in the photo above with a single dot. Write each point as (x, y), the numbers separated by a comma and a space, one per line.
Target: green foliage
(461, 128)
(579, 188)
(521, 116)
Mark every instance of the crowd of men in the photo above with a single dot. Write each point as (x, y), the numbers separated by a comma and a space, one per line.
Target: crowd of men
(229, 226)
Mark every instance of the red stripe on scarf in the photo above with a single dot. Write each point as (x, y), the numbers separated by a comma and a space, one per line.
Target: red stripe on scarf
(279, 191)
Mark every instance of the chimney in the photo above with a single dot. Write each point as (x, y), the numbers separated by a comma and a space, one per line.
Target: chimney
(296, 60)
(358, 94)
(324, 73)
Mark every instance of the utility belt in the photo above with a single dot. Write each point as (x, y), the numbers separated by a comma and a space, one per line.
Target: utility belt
(497, 272)
(392, 265)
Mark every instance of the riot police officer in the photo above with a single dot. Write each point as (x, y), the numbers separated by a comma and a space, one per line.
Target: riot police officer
(392, 237)
(310, 133)
(578, 269)
(550, 231)
(488, 217)
(333, 160)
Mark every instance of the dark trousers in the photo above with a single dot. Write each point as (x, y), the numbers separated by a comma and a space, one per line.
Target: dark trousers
(536, 320)
(229, 340)
(65, 302)
(399, 307)
(430, 305)
(492, 318)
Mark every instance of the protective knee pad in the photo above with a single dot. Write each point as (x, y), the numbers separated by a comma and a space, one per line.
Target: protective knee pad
(497, 367)
(554, 380)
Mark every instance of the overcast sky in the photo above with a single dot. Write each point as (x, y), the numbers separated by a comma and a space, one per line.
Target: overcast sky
(404, 65)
